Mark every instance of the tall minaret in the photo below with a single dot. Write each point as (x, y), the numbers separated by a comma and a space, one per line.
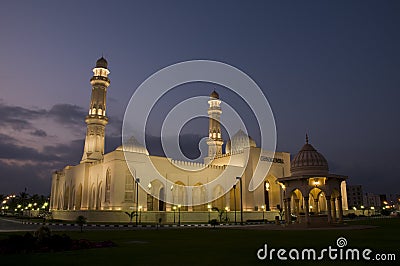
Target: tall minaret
(97, 120)
(214, 141)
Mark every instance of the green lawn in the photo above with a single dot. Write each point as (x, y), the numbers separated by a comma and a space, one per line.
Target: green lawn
(207, 246)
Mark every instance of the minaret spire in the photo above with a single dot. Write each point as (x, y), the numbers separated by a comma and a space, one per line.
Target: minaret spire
(96, 120)
(214, 141)
(306, 138)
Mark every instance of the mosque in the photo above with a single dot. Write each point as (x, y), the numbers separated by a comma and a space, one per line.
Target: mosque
(104, 187)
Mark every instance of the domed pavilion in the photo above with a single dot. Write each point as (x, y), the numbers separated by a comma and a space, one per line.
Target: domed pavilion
(311, 192)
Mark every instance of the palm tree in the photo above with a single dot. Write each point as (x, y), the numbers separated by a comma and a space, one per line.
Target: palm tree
(131, 215)
(81, 220)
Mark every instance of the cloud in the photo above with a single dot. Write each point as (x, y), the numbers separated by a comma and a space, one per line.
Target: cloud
(39, 133)
(10, 150)
(67, 114)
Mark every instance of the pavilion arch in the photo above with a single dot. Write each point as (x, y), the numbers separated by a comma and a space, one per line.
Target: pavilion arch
(199, 197)
(317, 200)
(219, 196)
(296, 202)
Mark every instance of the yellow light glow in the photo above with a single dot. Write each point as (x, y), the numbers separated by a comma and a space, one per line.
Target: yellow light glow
(179, 206)
(174, 207)
(209, 206)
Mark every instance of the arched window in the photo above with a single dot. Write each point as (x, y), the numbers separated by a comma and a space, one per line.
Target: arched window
(66, 198)
(129, 187)
(108, 186)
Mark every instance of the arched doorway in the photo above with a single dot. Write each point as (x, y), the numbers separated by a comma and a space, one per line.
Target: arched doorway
(78, 198)
(66, 198)
(199, 197)
(219, 196)
(161, 203)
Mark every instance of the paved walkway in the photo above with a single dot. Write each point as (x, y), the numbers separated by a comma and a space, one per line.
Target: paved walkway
(14, 225)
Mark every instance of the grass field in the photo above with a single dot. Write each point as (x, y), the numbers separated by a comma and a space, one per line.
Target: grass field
(220, 246)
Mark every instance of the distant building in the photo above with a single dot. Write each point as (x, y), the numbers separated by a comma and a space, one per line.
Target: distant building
(371, 200)
(355, 196)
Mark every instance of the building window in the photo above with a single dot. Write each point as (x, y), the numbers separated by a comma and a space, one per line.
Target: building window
(108, 186)
(129, 187)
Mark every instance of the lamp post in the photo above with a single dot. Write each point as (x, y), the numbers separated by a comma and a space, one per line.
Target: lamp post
(234, 199)
(174, 208)
(179, 214)
(241, 199)
(226, 214)
(172, 193)
(137, 180)
(209, 212)
(140, 214)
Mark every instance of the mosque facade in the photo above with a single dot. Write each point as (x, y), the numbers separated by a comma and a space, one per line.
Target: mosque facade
(104, 187)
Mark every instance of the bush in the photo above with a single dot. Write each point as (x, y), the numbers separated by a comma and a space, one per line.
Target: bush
(351, 215)
(214, 222)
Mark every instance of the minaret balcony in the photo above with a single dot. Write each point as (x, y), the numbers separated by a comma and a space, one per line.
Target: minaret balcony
(100, 78)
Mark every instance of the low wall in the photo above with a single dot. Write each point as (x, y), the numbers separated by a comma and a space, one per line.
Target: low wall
(166, 217)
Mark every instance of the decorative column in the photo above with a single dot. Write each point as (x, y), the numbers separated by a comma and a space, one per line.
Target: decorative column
(340, 208)
(285, 209)
(289, 221)
(307, 212)
(328, 205)
(333, 201)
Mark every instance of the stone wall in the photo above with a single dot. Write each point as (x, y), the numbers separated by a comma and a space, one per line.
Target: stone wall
(166, 217)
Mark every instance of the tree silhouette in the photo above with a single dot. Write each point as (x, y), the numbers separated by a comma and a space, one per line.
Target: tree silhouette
(81, 220)
(131, 215)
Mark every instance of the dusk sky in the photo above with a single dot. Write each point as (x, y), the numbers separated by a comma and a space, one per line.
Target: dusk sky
(328, 68)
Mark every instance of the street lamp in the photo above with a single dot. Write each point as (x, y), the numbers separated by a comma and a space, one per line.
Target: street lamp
(209, 212)
(234, 199)
(179, 214)
(174, 208)
(140, 214)
(241, 199)
(172, 188)
(226, 213)
(137, 180)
